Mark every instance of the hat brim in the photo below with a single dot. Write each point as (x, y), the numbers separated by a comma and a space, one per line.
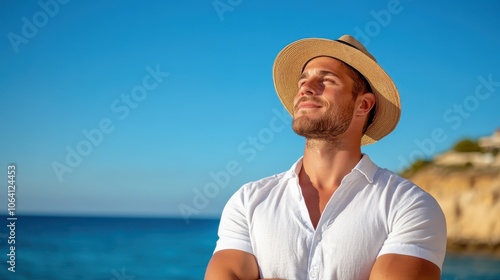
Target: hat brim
(292, 59)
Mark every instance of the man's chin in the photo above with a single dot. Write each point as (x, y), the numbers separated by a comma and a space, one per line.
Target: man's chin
(301, 115)
(304, 125)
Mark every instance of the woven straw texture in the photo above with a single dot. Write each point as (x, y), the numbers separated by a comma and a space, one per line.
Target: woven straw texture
(291, 60)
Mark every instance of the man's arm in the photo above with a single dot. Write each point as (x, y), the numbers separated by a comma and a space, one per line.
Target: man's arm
(232, 265)
(395, 266)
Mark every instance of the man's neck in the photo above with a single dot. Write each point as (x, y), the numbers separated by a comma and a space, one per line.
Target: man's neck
(326, 163)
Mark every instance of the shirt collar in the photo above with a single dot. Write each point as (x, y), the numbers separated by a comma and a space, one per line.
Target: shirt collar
(295, 170)
(365, 166)
(293, 174)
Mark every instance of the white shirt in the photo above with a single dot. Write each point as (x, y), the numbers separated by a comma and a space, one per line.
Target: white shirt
(372, 213)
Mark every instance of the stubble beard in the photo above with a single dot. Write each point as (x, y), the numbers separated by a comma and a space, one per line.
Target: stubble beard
(329, 126)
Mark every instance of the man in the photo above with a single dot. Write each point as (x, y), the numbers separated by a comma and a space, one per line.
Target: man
(334, 214)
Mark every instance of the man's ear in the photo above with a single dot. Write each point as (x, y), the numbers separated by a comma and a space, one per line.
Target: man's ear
(366, 103)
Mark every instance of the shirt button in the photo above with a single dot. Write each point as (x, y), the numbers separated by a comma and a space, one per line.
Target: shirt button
(313, 273)
(318, 237)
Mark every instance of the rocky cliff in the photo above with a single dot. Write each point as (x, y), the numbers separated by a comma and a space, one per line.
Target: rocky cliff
(470, 199)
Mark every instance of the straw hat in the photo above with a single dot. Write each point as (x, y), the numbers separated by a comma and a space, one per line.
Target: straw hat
(291, 60)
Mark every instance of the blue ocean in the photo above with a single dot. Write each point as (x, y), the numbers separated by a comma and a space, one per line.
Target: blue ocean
(143, 248)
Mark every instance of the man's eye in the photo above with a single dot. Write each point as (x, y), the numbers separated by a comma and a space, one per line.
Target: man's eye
(301, 83)
(329, 80)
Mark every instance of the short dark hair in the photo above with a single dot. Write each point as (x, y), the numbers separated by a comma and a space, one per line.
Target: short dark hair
(360, 86)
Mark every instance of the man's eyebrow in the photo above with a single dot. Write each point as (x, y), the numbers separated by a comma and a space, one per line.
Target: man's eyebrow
(321, 73)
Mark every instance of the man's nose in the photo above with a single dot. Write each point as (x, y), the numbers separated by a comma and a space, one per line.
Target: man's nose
(310, 87)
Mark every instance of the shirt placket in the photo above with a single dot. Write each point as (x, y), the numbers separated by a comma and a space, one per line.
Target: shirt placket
(315, 259)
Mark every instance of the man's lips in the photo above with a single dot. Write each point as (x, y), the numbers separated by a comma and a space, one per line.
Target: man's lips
(308, 105)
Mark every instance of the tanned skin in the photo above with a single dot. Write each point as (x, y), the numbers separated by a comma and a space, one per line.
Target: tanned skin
(325, 91)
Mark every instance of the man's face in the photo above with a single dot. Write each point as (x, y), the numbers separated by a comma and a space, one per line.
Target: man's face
(324, 104)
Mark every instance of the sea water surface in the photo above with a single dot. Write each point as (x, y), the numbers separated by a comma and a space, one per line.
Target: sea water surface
(143, 248)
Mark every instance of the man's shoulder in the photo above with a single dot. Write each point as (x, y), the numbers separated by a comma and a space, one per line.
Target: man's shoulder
(387, 176)
(265, 189)
(380, 176)
(267, 182)
(400, 187)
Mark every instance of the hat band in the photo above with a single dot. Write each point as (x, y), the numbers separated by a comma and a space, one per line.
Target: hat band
(343, 42)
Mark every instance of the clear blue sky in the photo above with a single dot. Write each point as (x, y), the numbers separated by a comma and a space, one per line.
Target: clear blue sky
(142, 100)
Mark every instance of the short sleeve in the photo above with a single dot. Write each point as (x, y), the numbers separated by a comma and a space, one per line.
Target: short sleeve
(233, 228)
(418, 228)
